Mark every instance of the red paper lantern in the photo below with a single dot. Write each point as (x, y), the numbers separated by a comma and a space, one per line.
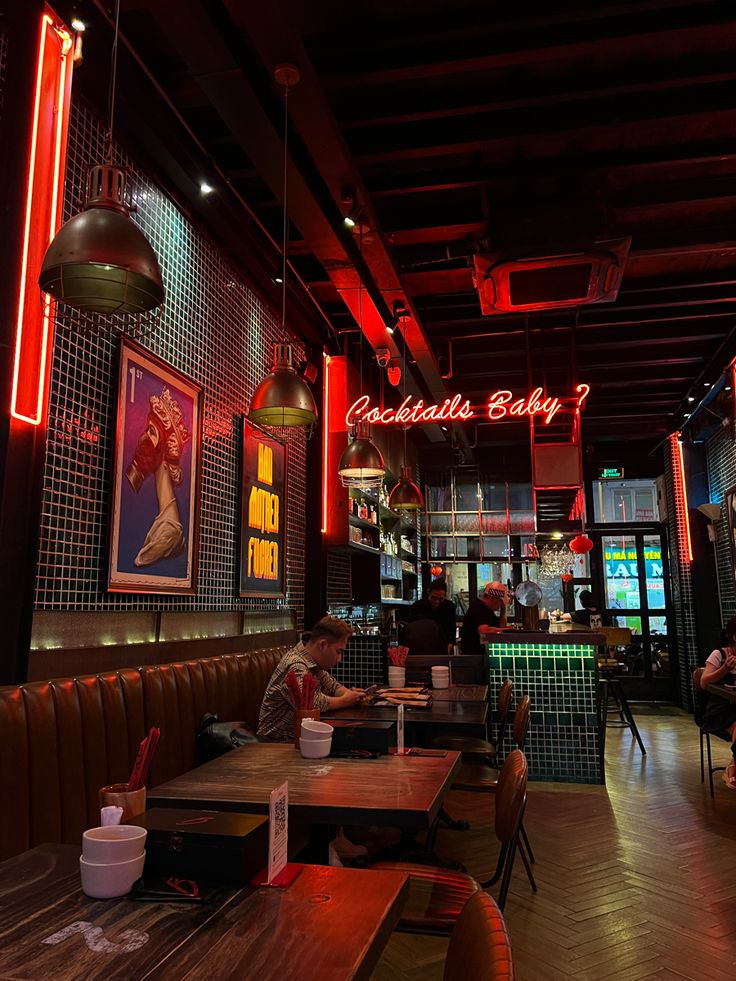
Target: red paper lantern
(581, 545)
(566, 577)
(436, 570)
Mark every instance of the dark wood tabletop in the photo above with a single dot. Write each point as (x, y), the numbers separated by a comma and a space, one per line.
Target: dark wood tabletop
(329, 925)
(461, 693)
(393, 791)
(440, 713)
(721, 692)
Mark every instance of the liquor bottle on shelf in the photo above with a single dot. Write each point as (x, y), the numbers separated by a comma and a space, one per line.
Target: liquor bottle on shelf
(363, 509)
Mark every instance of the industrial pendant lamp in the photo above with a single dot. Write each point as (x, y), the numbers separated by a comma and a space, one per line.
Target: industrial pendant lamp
(405, 495)
(99, 261)
(361, 465)
(284, 398)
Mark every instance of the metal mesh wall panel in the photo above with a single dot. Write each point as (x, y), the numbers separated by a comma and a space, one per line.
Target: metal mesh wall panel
(214, 329)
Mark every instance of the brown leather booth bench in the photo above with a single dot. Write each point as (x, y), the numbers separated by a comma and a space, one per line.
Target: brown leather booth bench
(61, 740)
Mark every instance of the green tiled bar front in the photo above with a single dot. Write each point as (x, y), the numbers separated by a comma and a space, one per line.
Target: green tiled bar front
(559, 675)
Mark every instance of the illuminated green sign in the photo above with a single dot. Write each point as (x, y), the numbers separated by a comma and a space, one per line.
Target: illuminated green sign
(610, 473)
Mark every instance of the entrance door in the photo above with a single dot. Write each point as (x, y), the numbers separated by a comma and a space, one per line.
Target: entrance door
(631, 571)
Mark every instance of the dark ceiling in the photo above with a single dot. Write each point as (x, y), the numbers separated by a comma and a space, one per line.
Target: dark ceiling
(466, 128)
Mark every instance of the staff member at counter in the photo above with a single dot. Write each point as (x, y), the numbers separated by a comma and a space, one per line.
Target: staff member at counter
(438, 608)
(590, 615)
(489, 612)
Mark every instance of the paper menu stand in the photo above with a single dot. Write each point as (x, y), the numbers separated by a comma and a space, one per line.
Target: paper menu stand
(279, 871)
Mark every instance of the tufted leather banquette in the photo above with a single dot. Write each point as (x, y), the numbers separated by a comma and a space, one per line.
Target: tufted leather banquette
(61, 740)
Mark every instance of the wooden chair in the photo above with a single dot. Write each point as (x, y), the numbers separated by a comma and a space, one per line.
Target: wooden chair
(437, 896)
(479, 948)
(478, 778)
(483, 748)
(700, 702)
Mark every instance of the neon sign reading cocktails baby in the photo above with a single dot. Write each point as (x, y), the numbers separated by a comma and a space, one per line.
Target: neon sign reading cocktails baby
(500, 404)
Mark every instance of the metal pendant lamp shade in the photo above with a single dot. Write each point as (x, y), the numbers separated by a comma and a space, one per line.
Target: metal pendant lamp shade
(406, 496)
(99, 261)
(283, 398)
(361, 464)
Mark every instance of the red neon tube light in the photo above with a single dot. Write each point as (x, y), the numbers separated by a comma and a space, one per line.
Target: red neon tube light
(325, 436)
(681, 470)
(43, 209)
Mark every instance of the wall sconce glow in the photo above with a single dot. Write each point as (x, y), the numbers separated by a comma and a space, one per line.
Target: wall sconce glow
(43, 210)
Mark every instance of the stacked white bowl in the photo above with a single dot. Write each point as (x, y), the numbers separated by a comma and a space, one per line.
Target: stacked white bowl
(112, 860)
(396, 676)
(440, 677)
(315, 740)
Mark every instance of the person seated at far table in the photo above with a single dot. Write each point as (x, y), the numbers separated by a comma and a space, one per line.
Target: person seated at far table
(488, 613)
(590, 615)
(324, 647)
(720, 714)
(435, 606)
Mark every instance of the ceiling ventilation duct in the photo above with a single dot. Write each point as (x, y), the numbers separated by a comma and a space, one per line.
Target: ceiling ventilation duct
(517, 283)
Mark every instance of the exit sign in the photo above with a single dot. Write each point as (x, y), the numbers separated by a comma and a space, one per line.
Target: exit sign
(610, 473)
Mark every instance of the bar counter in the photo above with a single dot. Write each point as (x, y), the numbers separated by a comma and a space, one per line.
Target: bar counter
(558, 672)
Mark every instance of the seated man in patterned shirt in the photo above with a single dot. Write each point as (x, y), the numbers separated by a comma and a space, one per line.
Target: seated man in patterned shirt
(321, 652)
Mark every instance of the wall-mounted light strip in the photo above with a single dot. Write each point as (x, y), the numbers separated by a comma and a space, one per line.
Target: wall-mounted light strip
(679, 462)
(43, 210)
(325, 436)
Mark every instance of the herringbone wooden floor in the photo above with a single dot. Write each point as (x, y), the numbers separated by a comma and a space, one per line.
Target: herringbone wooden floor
(636, 879)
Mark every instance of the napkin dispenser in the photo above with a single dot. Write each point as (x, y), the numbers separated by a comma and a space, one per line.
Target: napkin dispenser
(215, 846)
(348, 735)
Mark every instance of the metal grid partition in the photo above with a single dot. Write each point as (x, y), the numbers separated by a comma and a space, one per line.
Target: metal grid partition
(214, 329)
(721, 462)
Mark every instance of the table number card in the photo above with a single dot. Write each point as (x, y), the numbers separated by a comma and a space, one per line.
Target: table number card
(278, 831)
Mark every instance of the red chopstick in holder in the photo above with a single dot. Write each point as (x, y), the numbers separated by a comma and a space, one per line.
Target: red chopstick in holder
(144, 759)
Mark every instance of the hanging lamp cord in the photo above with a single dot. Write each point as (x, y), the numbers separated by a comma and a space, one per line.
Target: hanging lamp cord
(285, 229)
(113, 82)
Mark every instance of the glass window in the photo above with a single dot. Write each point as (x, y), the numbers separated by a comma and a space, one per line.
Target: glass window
(458, 587)
(440, 524)
(466, 524)
(440, 498)
(617, 501)
(520, 497)
(494, 522)
(658, 625)
(466, 496)
(493, 497)
(440, 548)
(634, 623)
(497, 547)
(654, 572)
(622, 575)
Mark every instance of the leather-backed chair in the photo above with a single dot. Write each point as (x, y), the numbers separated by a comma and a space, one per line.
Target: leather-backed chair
(482, 748)
(700, 701)
(479, 948)
(437, 896)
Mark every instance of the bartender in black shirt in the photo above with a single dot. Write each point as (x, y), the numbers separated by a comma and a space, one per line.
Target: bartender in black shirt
(489, 610)
(590, 615)
(435, 606)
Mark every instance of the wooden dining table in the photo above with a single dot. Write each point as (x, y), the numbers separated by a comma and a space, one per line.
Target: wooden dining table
(390, 791)
(441, 718)
(461, 693)
(721, 692)
(330, 924)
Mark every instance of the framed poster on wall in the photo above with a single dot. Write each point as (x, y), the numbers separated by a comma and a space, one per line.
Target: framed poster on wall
(262, 514)
(154, 527)
(729, 499)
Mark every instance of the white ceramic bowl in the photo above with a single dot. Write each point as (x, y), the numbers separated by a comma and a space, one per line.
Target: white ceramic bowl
(111, 880)
(313, 730)
(112, 844)
(315, 749)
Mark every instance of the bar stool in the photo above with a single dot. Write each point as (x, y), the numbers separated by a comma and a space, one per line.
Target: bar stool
(610, 689)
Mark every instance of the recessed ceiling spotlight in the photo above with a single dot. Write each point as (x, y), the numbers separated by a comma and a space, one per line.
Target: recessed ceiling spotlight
(389, 330)
(206, 189)
(687, 415)
(348, 222)
(727, 388)
(278, 278)
(78, 25)
(691, 398)
(706, 384)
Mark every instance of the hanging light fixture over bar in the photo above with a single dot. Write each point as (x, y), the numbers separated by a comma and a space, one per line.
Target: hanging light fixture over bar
(284, 398)
(100, 262)
(406, 496)
(361, 464)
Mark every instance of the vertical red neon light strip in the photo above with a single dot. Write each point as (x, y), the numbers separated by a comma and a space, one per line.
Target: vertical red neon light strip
(325, 436)
(52, 97)
(680, 461)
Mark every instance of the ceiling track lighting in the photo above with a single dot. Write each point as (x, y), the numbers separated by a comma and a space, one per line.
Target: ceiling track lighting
(99, 261)
(284, 398)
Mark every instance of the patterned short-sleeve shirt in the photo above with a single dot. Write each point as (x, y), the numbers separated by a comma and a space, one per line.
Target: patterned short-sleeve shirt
(276, 721)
